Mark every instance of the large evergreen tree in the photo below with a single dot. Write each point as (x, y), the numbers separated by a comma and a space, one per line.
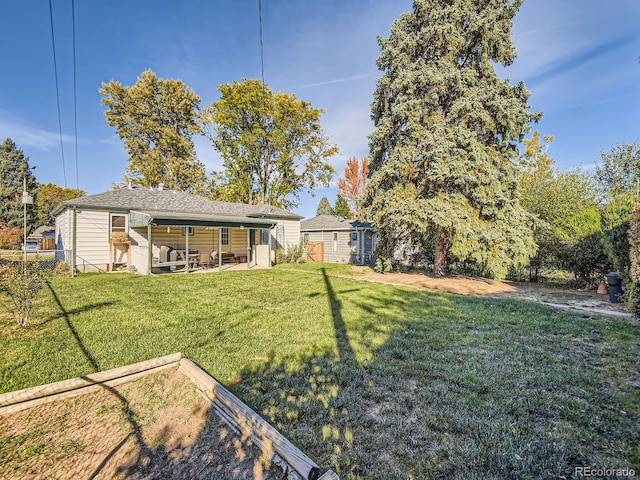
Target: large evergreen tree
(157, 119)
(324, 207)
(341, 207)
(446, 127)
(14, 167)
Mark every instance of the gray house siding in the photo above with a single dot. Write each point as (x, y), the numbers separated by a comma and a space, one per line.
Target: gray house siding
(337, 247)
(344, 241)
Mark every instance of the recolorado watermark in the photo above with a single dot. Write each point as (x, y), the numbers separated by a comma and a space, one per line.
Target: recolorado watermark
(604, 472)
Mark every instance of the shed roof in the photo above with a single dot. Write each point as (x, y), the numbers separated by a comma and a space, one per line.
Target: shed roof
(331, 222)
(43, 230)
(154, 199)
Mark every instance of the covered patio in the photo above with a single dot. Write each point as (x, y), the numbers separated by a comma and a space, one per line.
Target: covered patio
(149, 230)
(178, 242)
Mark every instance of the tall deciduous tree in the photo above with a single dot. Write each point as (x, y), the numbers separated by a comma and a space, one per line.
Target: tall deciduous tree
(14, 167)
(618, 173)
(272, 144)
(618, 176)
(352, 187)
(157, 119)
(547, 195)
(49, 196)
(568, 229)
(446, 128)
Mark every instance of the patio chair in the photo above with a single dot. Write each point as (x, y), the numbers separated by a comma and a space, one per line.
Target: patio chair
(213, 259)
(204, 258)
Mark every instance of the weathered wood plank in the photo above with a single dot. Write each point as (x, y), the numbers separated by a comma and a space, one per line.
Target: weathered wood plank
(85, 390)
(246, 418)
(40, 391)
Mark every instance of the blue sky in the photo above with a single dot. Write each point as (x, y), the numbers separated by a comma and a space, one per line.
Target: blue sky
(579, 59)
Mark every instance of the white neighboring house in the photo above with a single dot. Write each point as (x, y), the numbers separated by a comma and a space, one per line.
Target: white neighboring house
(343, 240)
(137, 229)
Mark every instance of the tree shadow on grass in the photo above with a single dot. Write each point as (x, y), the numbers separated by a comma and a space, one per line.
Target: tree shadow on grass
(441, 397)
(129, 414)
(218, 451)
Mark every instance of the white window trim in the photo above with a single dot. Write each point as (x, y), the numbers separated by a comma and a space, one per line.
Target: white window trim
(126, 222)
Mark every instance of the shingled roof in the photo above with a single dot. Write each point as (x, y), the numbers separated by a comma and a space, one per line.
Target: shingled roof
(150, 199)
(331, 222)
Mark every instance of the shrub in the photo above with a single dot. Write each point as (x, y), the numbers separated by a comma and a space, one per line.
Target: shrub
(10, 237)
(632, 296)
(586, 259)
(293, 254)
(616, 216)
(21, 283)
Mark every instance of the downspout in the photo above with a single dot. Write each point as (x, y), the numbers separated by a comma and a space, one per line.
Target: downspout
(73, 242)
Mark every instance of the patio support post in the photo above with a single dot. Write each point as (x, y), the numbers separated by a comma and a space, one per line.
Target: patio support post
(149, 248)
(186, 249)
(269, 240)
(220, 249)
(248, 248)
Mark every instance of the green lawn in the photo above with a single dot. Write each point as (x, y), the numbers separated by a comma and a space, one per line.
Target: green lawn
(370, 380)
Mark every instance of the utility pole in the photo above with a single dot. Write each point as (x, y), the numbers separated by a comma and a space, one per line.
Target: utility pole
(26, 200)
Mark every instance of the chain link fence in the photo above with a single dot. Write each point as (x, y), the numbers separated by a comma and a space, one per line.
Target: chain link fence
(47, 259)
(58, 259)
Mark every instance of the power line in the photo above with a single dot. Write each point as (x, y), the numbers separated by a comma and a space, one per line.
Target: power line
(55, 71)
(75, 94)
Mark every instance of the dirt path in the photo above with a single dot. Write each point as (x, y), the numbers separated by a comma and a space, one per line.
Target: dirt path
(558, 297)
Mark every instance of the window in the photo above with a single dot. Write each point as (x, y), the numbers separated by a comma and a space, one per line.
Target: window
(117, 224)
(224, 232)
(264, 236)
(191, 230)
(335, 241)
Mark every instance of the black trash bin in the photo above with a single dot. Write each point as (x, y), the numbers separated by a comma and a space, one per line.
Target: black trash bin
(614, 281)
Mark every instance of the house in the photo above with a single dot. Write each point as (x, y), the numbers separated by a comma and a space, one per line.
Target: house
(336, 239)
(147, 230)
(45, 236)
